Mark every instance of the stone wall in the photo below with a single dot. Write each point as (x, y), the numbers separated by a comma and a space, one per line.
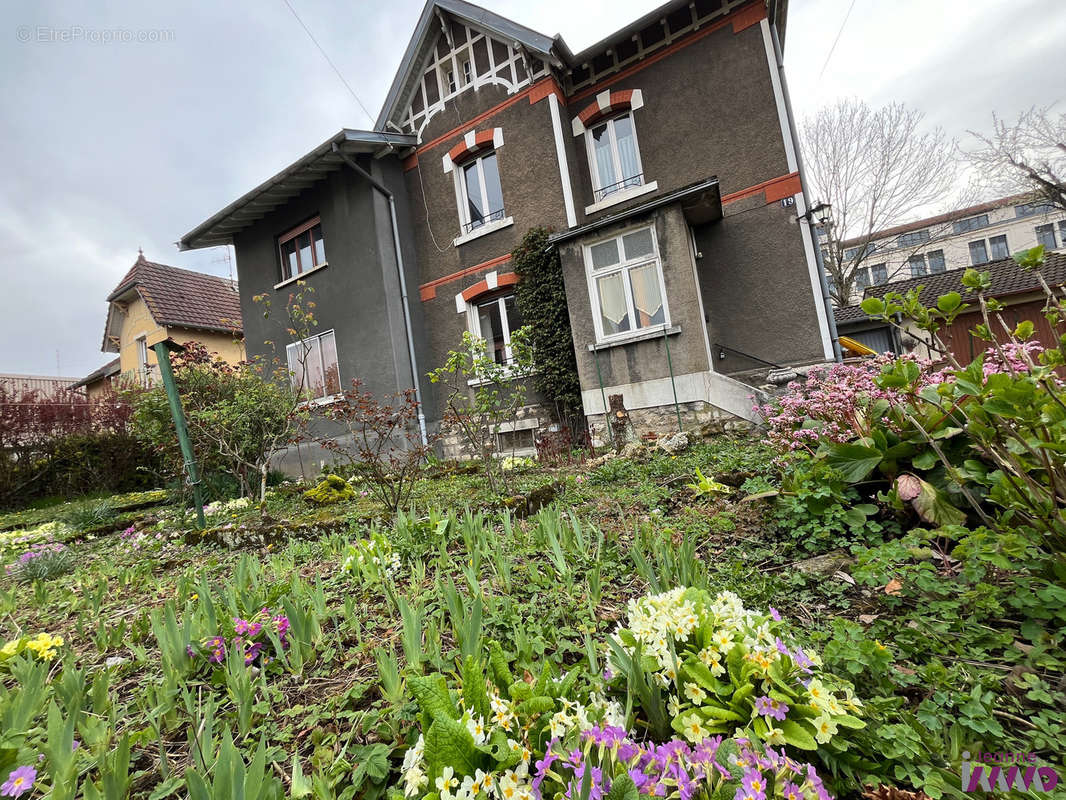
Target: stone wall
(697, 419)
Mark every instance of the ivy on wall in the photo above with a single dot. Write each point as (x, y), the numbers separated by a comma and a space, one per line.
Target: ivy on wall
(541, 298)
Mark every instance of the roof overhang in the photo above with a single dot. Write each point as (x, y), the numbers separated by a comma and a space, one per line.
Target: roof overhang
(278, 190)
(409, 71)
(701, 203)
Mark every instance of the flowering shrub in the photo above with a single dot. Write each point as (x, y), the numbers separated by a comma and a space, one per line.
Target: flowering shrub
(44, 647)
(250, 636)
(42, 561)
(724, 668)
(226, 506)
(372, 558)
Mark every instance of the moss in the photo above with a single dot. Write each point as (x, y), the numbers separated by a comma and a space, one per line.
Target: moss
(332, 489)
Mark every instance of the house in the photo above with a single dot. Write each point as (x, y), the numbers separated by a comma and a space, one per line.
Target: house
(664, 159)
(42, 385)
(1018, 290)
(968, 237)
(155, 302)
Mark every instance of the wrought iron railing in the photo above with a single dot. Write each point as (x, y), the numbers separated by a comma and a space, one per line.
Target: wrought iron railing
(625, 183)
(492, 216)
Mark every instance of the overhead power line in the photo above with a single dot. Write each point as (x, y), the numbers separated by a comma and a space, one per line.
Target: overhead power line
(831, 49)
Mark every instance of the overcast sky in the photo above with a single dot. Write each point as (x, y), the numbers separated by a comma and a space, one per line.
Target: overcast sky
(113, 146)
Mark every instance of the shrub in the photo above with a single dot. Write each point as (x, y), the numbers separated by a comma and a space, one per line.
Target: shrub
(332, 489)
(42, 563)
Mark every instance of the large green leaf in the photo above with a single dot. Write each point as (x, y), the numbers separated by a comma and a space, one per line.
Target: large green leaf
(449, 744)
(853, 461)
(431, 694)
(797, 735)
(934, 507)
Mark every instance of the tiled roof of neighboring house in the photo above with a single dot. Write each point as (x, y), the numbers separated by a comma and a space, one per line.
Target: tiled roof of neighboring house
(106, 371)
(1007, 279)
(33, 383)
(182, 298)
(940, 219)
(849, 314)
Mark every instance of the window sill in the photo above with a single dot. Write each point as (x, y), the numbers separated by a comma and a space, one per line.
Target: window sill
(622, 196)
(318, 402)
(639, 336)
(509, 376)
(301, 276)
(484, 230)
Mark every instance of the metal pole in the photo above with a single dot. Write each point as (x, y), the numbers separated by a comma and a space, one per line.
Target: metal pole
(166, 372)
(670, 364)
(603, 395)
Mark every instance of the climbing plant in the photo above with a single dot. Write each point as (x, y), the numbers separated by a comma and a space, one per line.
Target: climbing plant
(541, 299)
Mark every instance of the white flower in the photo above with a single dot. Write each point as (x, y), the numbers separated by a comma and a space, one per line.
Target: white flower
(446, 782)
(413, 781)
(477, 729)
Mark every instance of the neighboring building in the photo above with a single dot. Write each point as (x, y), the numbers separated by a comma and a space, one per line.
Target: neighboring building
(154, 302)
(664, 159)
(968, 237)
(44, 385)
(1018, 290)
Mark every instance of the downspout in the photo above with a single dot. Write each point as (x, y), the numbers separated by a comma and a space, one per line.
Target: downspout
(403, 283)
(822, 280)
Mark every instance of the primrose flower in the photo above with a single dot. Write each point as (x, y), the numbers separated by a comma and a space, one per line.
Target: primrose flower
(19, 781)
(695, 693)
(446, 782)
(825, 728)
(819, 694)
(790, 791)
(769, 707)
(694, 730)
(754, 784)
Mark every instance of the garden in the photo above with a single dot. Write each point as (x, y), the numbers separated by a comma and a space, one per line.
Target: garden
(864, 597)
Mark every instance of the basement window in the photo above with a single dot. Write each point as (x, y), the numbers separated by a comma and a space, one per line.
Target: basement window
(302, 249)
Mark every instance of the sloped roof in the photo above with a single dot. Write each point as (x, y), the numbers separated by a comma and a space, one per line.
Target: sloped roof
(846, 314)
(1007, 279)
(106, 371)
(181, 298)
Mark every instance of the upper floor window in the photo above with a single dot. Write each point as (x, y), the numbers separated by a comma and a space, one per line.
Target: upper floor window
(614, 156)
(862, 278)
(1045, 235)
(626, 283)
(917, 265)
(1029, 209)
(852, 253)
(481, 193)
(970, 223)
(978, 252)
(936, 261)
(313, 365)
(879, 274)
(302, 249)
(913, 238)
(998, 246)
(495, 320)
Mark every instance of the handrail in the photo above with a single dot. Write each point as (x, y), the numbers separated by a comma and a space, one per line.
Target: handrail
(748, 356)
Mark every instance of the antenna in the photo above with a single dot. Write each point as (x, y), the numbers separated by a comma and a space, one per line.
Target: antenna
(225, 259)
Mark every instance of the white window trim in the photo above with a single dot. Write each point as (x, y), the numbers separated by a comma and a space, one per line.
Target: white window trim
(624, 267)
(484, 230)
(459, 183)
(616, 158)
(325, 399)
(615, 198)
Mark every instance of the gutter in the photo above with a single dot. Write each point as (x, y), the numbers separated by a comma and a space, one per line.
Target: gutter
(823, 282)
(403, 283)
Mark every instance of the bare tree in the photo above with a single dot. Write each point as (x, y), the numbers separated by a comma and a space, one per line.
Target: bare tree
(876, 168)
(1026, 156)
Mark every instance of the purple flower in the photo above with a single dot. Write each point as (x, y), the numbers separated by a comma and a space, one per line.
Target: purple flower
(769, 707)
(240, 626)
(775, 614)
(782, 648)
(790, 791)
(19, 781)
(754, 784)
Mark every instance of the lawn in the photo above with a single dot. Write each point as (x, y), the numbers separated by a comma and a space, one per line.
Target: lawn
(298, 649)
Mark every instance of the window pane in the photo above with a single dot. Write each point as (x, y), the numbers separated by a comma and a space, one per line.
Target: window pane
(999, 247)
(638, 243)
(862, 278)
(1045, 235)
(917, 265)
(647, 298)
(514, 316)
(320, 245)
(601, 148)
(292, 358)
(936, 261)
(474, 205)
(879, 273)
(492, 186)
(978, 252)
(492, 330)
(330, 363)
(627, 151)
(303, 244)
(613, 314)
(604, 254)
(288, 258)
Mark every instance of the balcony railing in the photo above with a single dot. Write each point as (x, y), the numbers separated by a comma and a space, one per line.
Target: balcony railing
(144, 378)
(492, 216)
(625, 183)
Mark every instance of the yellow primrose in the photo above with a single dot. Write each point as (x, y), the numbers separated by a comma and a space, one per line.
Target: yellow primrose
(695, 693)
(825, 728)
(694, 730)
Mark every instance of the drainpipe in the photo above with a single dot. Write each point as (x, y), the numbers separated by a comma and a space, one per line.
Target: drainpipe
(403, 283)
(827, 300)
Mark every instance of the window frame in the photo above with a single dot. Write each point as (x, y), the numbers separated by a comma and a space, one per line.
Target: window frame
(873, 274)
(913, 238)
(984, 247)
(466, 225)
(624, 267)
(474, 321)
(1006, 247)
(327, 396)
(941, 260)
(1049, 228)
(917, 259)
(969, 224)
(616, 158)
(284, 238)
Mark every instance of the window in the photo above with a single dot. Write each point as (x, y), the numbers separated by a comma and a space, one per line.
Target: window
(1029, 209)
(468, 74)
(998, 245)
(970, 223)
(614, 157)
(1062, 232)
(626, 283)
(936, 261)
(851, 254)
(916, 264)
(313, 365)
(302, 249)
(913, 238)
(142, 353)
(862, 278)
(1045, 235)
(879, 274)
(978, 252)
(496, 319)
(482, 194)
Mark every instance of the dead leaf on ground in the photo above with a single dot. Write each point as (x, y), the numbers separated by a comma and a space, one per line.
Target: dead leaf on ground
(867, 619)
(893, 587)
